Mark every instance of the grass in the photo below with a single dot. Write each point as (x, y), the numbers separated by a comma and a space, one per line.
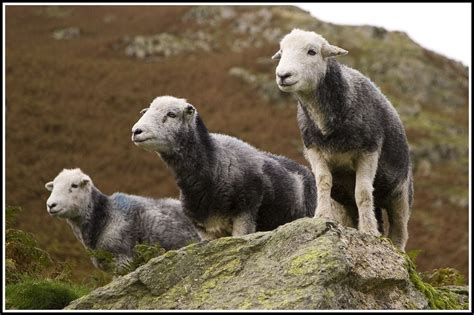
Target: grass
(142, 254)
(42, 294)
(437, 299)
(34, 280)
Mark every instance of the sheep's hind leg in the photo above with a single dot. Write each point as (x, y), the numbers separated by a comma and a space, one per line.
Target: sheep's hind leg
(398, 215)
(341, 214)
(323, 177)
(379, 218)
(204, 235)
(243, 224)
(366, 168)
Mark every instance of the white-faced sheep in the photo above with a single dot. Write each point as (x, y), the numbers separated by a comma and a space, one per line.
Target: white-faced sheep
(118, 222)
(228, 187)
(353, 136)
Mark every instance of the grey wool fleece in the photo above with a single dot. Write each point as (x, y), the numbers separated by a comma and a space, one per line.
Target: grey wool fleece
(358, 118)
(228, 187)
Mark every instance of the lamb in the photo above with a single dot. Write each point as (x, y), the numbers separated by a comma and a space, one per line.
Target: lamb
(228, 187)
(353, 136)
(118, 222)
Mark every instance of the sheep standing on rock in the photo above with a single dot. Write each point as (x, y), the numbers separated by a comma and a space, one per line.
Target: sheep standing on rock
(118, 222)
(228, 188)
(353, 137)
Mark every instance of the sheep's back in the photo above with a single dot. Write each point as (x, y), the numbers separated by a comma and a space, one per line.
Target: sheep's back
(154, 220)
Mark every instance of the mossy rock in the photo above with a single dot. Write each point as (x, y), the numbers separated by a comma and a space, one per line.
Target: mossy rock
(441, 298)
(306, 264)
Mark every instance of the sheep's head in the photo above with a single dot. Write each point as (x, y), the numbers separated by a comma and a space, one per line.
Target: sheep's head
(70, 194)
(302, 60)
(163, 123)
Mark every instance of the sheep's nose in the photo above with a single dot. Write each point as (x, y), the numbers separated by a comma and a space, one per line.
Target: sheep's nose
(51, 206)
(137, 131)
(284, 75)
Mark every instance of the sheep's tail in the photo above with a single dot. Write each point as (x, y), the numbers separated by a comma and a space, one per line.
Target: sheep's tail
(379, 218)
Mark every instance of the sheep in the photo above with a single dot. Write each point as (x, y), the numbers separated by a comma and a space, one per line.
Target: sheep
(118, 222)
(353, 136)
(228, 187)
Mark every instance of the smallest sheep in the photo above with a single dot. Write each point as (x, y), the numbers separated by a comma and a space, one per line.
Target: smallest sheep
(118, 222)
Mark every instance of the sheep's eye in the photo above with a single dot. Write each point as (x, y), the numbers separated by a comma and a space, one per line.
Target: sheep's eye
(171, 114)
(311, 52)
(143, 111)
(74, 185)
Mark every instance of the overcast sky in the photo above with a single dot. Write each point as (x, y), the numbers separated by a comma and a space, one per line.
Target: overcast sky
(442, 27)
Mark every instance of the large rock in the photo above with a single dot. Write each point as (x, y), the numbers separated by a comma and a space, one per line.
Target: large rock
(306, 264)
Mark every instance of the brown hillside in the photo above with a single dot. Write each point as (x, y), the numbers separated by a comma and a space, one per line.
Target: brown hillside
(73, 96)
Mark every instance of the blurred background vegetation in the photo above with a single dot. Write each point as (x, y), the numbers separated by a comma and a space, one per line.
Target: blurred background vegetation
(77, 76)
(34, 280)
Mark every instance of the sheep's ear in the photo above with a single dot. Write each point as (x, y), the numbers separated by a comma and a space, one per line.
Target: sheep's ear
(84, 181)
(49, 186)
(189, 111)
(328, 50)
(277, 56)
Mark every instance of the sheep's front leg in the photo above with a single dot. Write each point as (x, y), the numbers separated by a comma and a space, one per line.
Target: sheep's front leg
(366, 168)
(323, 177)
(243, 224)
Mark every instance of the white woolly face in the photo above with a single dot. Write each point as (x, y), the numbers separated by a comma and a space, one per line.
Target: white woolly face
(162, 123)
(302, 60)
(70, 194)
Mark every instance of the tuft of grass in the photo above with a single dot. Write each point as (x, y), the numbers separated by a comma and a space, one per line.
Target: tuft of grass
(437, 299)
(23, 251)
(11, 213)
(413, 254)
(42, 294)
(142, 254)
(104, 258)
(443, 277)
(34, 280)
(24, 257)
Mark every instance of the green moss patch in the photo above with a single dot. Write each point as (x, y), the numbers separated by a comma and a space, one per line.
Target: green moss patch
(437, 299)
(443, 277)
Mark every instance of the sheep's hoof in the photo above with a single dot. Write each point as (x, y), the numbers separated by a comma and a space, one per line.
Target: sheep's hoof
(372, 231)
(326, 217)
(324, 211)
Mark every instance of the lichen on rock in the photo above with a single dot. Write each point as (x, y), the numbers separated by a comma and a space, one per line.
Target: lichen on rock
(166, 45)
(305, 264)
(67, 33)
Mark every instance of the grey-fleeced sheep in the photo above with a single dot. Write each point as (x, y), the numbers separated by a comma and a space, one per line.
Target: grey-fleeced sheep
(118, 222)
(353, 137)
(228, 187)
